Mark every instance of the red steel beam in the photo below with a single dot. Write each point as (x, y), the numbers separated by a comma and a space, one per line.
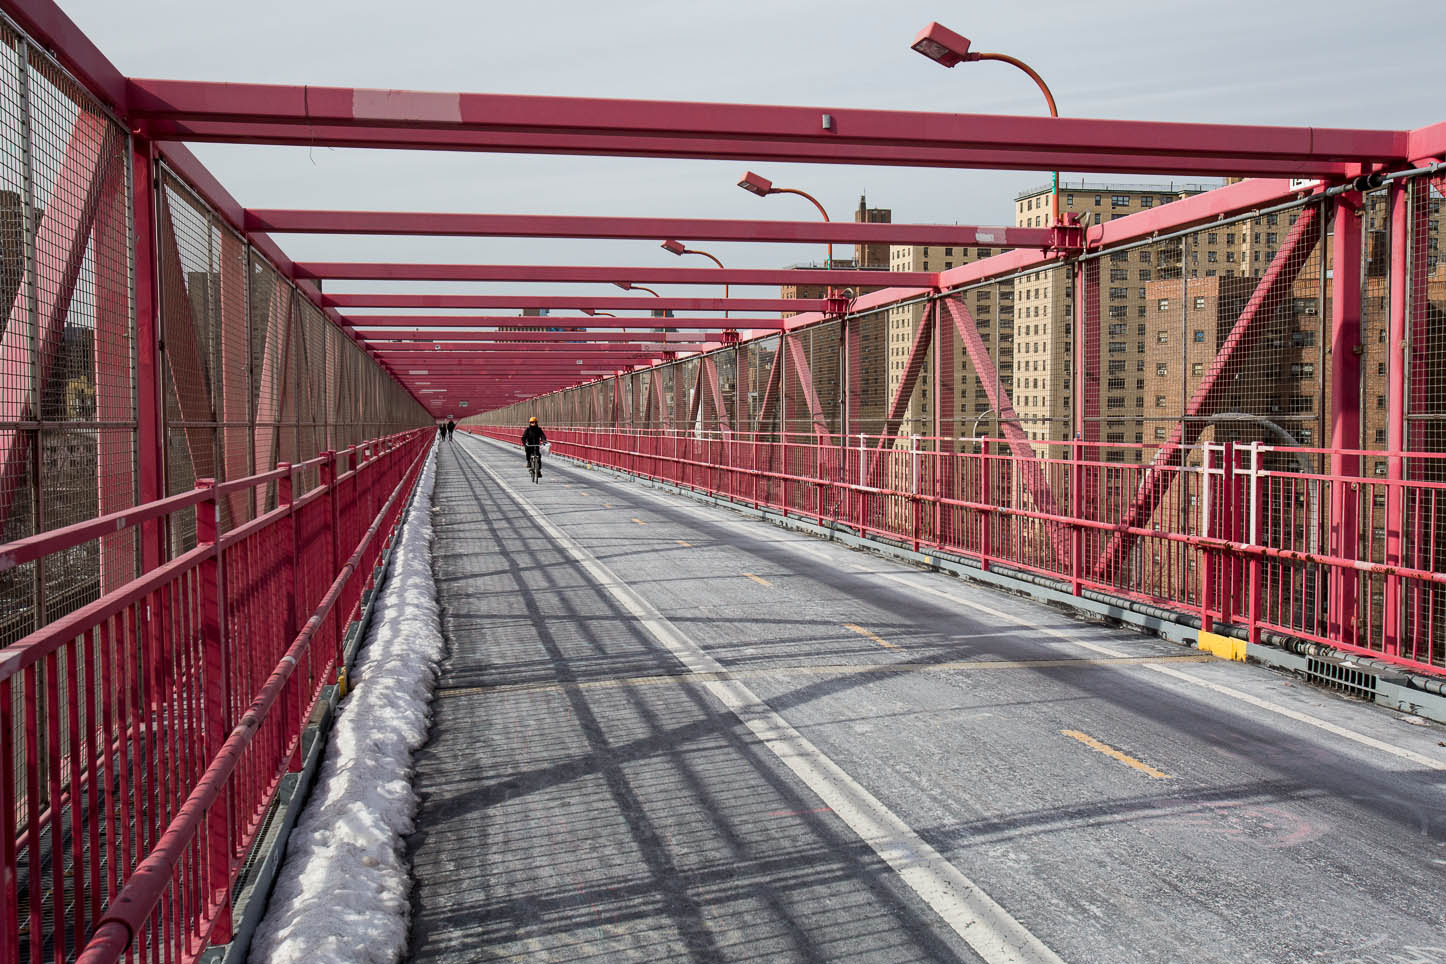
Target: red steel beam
(735, 149)
(381, 112)
(549, 322)
(456, 224)
(545, 337)
(603, 274)
(605, 303)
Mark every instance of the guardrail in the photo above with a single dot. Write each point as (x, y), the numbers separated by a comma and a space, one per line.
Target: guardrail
(1235, 540)
(143, 736)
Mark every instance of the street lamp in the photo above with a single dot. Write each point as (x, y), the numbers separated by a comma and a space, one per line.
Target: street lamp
(677, 247)
(629, 286)
(947, 48)
(762, 186)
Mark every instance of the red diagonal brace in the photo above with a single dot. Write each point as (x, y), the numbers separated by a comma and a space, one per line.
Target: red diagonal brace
(1279, 276)
(798, 362)
(715, 394)
(894, 415)
(771, 390)
(1036, 483)
(183, 355)
(91, 167)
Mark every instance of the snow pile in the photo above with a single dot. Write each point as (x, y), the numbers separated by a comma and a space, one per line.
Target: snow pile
(342, 894)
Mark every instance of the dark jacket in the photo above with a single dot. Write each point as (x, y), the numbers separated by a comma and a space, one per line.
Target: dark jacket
(533, 435)
(451, 427)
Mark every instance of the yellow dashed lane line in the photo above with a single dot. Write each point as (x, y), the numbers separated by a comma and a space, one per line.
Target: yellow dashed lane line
(1114, 754)
(874, 636)
(758, 579)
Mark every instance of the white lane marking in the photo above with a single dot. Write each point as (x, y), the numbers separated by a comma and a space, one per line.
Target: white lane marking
(975, 916)
(1400, 752)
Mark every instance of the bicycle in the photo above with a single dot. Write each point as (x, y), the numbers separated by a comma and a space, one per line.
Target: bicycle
(534, 466)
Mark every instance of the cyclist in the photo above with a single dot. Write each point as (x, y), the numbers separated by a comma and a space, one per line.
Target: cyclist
(532, 438)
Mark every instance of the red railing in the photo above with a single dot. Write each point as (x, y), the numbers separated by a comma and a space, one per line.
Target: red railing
(1236, 540)
(143, 736)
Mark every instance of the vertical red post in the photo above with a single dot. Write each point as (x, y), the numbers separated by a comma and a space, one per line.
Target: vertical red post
(150, 429)
(1076, 512)
(986, 518)
(1254, 568)
(1208, 514)
(1345, 414)
(216, 715)
(1405, 240)
(329, 486)
(1228, 510)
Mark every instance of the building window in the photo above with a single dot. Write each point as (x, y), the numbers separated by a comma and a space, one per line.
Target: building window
(1162, 370)
(1304, 370)
(1199, 336)
(1199, 303)
(1115, 402)
(1159, 401)
(1212, 257)
(1198, 368)
(1163, 304)
(1119, 294)
(1162, 337)
(948, 252)
(1144, 274)
(1119, 200)
(1159, 431)
(1212, 238)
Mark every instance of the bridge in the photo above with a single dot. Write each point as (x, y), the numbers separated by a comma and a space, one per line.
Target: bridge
(1074, 593)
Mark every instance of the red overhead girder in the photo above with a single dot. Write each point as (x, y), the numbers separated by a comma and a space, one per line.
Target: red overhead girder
(772, 277)
(362, 323)
(220, 111)
(459, 224)
(604, 303)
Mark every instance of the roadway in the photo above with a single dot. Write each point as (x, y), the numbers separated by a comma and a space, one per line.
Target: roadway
(665, 732)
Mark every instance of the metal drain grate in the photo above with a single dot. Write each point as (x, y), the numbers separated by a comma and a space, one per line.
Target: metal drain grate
(1351, 680)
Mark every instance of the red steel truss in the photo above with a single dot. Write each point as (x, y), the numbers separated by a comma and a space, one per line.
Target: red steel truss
(254, 438)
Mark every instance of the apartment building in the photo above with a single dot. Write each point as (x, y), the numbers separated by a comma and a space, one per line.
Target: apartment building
(1043, 359)
(867, 257)
(993, 310)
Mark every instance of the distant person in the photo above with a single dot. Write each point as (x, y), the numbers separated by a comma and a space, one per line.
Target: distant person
(532, 438)
(442, 431)
(451, 428)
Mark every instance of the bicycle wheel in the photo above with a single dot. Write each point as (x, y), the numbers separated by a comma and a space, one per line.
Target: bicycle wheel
(534, 467)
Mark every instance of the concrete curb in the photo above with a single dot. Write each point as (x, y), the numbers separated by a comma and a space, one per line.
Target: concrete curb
(253, 890)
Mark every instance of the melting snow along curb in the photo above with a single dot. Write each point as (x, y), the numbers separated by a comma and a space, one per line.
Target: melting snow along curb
(342, 894)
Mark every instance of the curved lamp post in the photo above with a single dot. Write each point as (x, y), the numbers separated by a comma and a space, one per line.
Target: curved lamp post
(762, 186)
(677, 247)
(947, 48)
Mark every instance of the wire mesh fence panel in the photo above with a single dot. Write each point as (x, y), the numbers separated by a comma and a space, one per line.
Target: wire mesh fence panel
(67, 417)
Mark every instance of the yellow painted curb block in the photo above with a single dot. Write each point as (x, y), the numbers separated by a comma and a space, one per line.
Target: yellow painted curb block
(1225, 647)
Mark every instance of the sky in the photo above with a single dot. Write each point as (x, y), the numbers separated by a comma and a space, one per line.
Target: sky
(1274, 62)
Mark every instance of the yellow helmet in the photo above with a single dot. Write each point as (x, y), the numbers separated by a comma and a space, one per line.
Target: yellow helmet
(533, 420)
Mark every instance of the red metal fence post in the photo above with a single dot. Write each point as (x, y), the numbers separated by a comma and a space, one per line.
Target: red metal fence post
(986, 517)
(1228, 511)
(1345, 414)
(1404, 240)
(150, 428)
(1076, 512)
(329, 486)
(216, 715)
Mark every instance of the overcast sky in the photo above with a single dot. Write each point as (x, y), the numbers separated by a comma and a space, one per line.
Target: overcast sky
(1271, 62)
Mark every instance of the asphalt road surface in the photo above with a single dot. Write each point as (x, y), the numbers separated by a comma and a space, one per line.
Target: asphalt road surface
(665, 732)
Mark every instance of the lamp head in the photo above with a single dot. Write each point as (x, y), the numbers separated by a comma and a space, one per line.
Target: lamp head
(756, 184)
(943, 46)
(674, 246)
(625, 285)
